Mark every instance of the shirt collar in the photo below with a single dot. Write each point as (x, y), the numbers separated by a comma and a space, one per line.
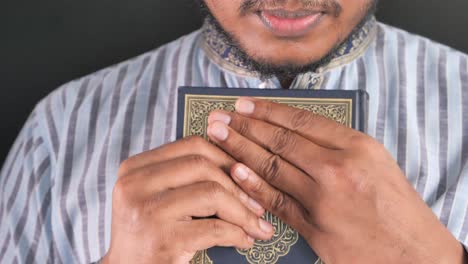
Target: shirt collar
(226, 56)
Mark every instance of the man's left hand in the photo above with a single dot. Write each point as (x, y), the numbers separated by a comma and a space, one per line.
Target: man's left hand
(339, 188)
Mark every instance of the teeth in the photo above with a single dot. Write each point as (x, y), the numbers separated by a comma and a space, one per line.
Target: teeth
(286, 14)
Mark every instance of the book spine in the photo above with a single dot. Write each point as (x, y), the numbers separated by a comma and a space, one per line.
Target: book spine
(362, 102)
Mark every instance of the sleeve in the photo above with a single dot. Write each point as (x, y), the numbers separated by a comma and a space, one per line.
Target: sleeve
(25, 196)
(458, 214)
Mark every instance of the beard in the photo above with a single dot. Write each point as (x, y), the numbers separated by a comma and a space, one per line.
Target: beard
(263, 67)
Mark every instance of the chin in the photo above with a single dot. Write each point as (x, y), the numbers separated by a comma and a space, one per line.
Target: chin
(287, 58)
(280, 52)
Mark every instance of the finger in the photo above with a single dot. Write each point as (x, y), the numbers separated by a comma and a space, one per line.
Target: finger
(319, 129)
(185, 147)
(275, 170)
(292, 147)
(155, 178)
(207, 233)
(278, 203)
(211, 199)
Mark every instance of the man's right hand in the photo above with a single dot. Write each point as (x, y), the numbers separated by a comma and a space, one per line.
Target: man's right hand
(162, 198)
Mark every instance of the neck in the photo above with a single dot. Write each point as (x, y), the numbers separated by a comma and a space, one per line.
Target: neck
(286, 81)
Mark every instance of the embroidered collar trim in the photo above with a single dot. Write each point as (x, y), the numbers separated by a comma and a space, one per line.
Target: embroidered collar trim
(226, 55)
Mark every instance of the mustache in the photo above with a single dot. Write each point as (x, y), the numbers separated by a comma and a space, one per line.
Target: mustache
(330, 6)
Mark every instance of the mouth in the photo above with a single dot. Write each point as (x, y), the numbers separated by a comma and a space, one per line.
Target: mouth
(290, 24)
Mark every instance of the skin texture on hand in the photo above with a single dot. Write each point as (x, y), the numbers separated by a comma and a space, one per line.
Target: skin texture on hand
(163, 197)
(340, 189)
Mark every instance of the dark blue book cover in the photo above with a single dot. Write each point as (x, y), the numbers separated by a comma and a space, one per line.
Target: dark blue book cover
(194, 106)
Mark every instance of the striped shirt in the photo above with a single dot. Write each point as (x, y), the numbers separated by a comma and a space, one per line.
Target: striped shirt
(56, 184)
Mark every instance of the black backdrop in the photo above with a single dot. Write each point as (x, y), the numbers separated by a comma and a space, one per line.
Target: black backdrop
(46, 43)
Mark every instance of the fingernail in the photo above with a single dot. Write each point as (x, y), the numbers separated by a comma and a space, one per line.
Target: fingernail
(221, 117)
(219, 131)
(245, 106)
(254, 205)
(250, 239)
(241, 173)
(265, 226)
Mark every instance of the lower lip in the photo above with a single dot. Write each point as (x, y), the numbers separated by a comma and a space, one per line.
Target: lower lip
(290, 27)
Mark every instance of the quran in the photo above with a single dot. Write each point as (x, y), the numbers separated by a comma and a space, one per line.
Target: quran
(194, 106)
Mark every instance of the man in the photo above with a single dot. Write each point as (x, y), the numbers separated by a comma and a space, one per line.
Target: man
(93, 176)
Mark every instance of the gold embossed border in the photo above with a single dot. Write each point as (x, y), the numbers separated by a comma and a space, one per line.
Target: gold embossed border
(226, 102)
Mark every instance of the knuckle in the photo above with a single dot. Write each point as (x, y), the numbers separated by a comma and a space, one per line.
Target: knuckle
(357, 177)
(346, 164)
(198, 160)
(155, 201)
(216, 227)
(345, 170)
(201, 167)
(124, 168)
(244, 126)
(332, 171)
(282, 141)
(214, 190)
(333, 167)
(360, 140)
(278, 203)
(256, 188)
(268, 110)
(125, 207)
(239, 149)
(271, 168)
(121, 191)
(195, 141)
(300, 118)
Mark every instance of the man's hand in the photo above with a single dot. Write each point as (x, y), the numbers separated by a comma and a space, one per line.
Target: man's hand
(340, 189)
(162, 197)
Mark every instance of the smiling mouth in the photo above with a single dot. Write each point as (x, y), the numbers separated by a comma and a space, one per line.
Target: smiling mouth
(289, 24)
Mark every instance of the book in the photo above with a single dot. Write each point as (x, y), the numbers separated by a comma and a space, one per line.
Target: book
(194, 106)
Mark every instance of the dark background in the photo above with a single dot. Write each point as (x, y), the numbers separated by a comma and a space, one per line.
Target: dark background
(46, 43)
